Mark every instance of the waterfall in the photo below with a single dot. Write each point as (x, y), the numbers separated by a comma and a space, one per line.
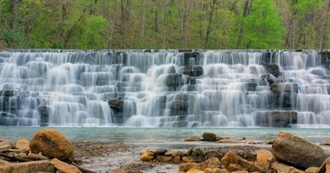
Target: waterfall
(165, 88)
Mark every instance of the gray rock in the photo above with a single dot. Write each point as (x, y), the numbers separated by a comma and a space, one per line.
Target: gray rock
(298, 152)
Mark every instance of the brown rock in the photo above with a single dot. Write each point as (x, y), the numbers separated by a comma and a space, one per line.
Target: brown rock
(186, 159)
(270, 141)
(148, 155)
(216, 170)
(297, 152)
(325, 167)
(176, 160)
(116, 171)
(52, 144)
(28, 167)
(280, 167)
(4, 162)
(184, 167)
(264, 157)
(5, 143)
(312, 170)
(208, 136)
(192, 138)
(229, 141)
(325, 143)
(210, 164)
(195, 170)
(64, 167)
(164, 159)
(234, 162)
(5, 147)
(160, 152)
(178, 153)
(33, 156)
(23, 145)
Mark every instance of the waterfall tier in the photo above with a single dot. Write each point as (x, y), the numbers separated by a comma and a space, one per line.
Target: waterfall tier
(166, 88)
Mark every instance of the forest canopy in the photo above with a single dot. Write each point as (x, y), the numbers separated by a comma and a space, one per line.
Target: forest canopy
(165, 24)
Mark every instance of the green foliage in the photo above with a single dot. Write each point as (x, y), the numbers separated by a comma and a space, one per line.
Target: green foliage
(90, 36)
(90, 24)
(262, 27)
(307, 6)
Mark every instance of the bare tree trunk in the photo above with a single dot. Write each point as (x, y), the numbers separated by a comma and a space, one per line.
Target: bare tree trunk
(143, 22)
(163, 30)
(325, 36)
(245, 13)
(14, 15)
(209, 24)
(122, 23)
(63, 17)
(156, 28)
(181, 15)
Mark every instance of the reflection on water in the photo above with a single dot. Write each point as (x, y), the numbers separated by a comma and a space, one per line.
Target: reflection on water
(166, 136)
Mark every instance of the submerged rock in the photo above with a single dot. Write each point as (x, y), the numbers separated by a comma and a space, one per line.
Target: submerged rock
(52, 144)
(298, 152)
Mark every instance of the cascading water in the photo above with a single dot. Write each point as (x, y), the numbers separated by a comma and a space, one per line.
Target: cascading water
(167, 88)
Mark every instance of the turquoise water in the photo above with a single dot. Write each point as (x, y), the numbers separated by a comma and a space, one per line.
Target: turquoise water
(145, 136)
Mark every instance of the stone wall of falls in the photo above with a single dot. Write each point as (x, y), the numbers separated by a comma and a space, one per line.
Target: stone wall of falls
(166, 88)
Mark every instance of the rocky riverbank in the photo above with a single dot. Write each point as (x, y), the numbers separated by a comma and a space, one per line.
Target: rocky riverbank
(49, 151)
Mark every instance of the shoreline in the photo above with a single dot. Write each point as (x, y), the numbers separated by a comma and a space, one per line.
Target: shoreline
(108, 156)
(119, 155)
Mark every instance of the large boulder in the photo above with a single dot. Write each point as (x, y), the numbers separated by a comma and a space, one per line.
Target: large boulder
(298, 152)
(52, 144)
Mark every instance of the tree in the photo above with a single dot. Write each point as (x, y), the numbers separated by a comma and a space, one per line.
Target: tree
(262, 27)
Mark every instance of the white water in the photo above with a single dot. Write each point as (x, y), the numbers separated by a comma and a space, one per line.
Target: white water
(219, 88)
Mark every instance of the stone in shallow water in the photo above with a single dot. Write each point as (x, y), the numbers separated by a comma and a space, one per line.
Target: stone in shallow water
(208, 136)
